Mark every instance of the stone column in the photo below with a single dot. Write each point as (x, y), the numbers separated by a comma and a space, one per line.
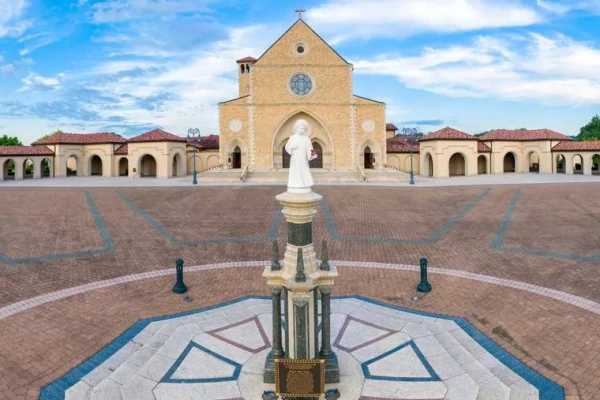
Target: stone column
(277, 348)
(332, 369)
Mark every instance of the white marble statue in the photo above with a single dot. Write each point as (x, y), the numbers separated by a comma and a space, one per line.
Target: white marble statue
(301, 151)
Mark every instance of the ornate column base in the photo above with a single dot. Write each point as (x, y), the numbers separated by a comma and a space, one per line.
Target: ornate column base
(332, 368)
(269, 372)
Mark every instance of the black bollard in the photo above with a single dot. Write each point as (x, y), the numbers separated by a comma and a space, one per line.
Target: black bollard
(300, 276)
(275, 264)
(179, 286)
(269, 395)
(324, 257)
(332, 394)
(423, 286)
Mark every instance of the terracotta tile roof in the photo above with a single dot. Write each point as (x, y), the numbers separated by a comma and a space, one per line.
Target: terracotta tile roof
(246, 59)
(448, 133)
(483, 148)
(122, 150)
(156, 135)
(524, 135)
(397, 144)
(391, 127)
(593, 145)
(25, 151)
(205, 142)
(82, 138)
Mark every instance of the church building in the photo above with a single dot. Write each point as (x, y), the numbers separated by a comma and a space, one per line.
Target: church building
(300, 77)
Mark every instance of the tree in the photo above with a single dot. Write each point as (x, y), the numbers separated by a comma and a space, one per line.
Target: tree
(6, 140)
(591, 131)
(56, 132)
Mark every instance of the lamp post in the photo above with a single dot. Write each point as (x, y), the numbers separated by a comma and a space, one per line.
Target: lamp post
(410, 135)
(194, 135)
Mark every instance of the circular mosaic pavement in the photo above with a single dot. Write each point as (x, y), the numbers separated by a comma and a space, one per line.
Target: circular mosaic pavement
(385, 353)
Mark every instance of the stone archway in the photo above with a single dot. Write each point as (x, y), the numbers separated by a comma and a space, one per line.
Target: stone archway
(73, 166)
(428, 166)
(368, 158)
(237, 152)
(533, 162)
(577, 164)
(9, 169)
(318, 133)
(95, 166)
(482, 165)
(147, 166)
(123, 166)
(509, 162)
(596, 164)
(46, 168)
(236, 158)
(28, 169)
(561, 167)
(177, 165)
(457, 165)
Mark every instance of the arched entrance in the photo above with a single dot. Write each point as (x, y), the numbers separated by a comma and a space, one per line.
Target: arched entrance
(177, 165)
(123, 166)
(9, 170)
(510, 162)
(577, 164)
(456, 165)
(317, 162)
(534, 162)
(596, 164)
(28, 169)
(236, 158)
(72, 166)
(318, 134)
(147, 166)
(560, 164)
(428, 167)
(45, 168)
(482, 165)
(368, 158)
(95, 166)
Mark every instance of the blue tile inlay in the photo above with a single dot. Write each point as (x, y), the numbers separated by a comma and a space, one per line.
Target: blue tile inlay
(435, 236)
(108, 246)
(433, 377)
(548, 390)
(168, 378)
(497, 242)
(271, 235)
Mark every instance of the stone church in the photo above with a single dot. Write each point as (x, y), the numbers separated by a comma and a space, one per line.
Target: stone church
(300, 76)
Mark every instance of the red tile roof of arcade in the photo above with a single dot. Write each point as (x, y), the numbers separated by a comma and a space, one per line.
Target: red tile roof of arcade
(25, 151)
(122, 150)
(206, 142)
(573, 145)
(483, 148)
(524, 135)
(82, 138)
(157, 135)
(397, 144)
(448, 133)
(391, 127)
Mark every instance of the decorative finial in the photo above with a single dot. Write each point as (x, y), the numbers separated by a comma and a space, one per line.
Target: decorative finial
(300, 277)
(299, 11)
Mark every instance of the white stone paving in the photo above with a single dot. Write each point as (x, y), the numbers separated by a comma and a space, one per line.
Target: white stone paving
(422, 358)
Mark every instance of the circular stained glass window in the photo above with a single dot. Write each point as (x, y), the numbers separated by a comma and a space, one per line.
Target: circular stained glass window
(301, 84)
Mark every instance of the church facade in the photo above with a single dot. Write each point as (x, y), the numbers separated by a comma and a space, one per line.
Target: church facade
(300, 77)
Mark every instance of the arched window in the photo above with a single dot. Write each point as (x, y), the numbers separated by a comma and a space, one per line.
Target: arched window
(248, 68)
(242, 68)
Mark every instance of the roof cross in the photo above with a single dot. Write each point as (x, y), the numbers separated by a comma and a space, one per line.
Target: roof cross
(299, 11)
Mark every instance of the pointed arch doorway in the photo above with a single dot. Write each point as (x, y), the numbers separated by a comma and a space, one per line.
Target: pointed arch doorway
(319, 136)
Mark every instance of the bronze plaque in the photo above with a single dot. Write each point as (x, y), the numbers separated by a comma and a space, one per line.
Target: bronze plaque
(300, 378)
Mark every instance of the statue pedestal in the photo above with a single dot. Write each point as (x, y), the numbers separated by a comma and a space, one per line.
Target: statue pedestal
(301, 288)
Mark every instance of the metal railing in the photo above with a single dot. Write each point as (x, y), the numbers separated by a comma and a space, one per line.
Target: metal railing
(244, 174)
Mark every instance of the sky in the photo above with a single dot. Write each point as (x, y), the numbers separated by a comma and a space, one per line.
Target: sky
(128, 66)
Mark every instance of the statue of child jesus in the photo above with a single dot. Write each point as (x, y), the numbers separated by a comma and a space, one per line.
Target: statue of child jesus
(301, 151)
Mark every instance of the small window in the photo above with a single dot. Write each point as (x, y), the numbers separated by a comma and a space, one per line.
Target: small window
(300, 49)
(242, 68)
(247, 67)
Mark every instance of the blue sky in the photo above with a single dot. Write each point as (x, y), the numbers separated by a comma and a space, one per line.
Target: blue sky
(130, 65)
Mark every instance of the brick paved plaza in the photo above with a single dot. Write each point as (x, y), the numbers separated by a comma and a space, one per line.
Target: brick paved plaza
(547, 235)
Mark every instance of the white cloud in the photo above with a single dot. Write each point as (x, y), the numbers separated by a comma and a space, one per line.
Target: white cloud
(533, 67)
(123, 10)
(34, 82)
(11, 12)
(564, 6)
(392, 18)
